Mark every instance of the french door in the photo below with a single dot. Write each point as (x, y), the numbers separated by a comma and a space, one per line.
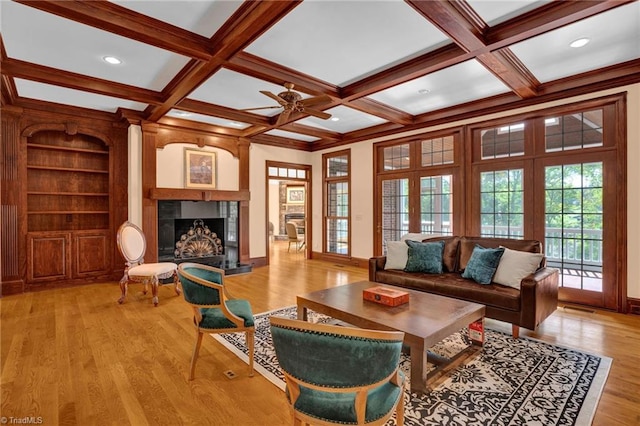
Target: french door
(576, 215)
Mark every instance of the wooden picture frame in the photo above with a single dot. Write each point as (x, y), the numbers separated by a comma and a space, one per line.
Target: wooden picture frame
(295, 194)
(200, 169)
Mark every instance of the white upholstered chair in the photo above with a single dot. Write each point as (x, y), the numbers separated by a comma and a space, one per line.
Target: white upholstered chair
(133, 245)
(294, 237)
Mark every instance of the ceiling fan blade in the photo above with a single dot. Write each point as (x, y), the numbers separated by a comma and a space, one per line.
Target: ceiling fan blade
(282, 118)
(316, 113)
(255, 109)
(274, 97)
(315, 100)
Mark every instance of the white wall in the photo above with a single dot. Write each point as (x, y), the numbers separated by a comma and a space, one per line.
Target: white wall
(258, 157)
(274, 205)
(170, 165)
(170, 169)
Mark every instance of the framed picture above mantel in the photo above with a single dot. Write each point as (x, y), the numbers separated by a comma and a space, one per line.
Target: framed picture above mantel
(295, 194)
(200, 169)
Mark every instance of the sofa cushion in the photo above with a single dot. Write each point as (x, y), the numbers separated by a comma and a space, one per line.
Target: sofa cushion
(483, 264)
(449, 253)
(424, 257)
(453, 285)
(397, 252)
(467, 244)
(515, 265)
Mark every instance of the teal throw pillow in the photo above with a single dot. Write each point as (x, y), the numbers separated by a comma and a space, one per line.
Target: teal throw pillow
(483, 264)
(424, 257)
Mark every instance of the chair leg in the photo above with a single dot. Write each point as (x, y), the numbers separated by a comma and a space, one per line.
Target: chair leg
(250, 341)
(400, 410)
(176, 283)
(154, 290)
(289, 248)
(124, 282)
(515, 331)
(194, 357)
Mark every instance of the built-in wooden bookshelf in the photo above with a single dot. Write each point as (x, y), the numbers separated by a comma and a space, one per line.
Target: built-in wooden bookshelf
(68, 183)
(67, 206)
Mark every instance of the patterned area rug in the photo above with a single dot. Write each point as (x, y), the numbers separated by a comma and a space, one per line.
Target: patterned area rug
(510, 382)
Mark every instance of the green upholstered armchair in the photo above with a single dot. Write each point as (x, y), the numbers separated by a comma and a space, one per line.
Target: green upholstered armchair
(213, 311)
(340, 375)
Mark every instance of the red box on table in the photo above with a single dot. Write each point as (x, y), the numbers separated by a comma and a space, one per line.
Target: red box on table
(385, 296)
(476, 332)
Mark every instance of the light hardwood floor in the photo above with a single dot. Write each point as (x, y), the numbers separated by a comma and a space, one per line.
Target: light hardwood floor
(75, 357)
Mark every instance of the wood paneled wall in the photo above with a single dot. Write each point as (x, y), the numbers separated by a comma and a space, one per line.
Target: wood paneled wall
(18, 125)
(155, 136)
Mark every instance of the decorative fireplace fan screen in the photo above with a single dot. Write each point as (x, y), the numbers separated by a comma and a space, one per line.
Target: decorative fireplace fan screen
(199, 241)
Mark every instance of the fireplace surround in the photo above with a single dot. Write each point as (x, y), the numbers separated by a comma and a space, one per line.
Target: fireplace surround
(209, 227)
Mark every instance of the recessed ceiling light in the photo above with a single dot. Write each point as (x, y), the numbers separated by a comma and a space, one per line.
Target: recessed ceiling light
(235, 124)
(424, 91)
(335, 118)
(579, 42)
(111, 60)
(182, 113)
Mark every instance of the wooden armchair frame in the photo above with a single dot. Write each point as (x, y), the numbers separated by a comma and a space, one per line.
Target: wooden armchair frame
(294, 384)
(235, 324)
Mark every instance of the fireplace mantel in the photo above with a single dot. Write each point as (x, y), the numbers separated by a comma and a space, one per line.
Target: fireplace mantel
(197, 194)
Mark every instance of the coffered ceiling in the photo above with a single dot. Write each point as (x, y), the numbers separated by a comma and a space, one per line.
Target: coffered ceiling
(384, 66)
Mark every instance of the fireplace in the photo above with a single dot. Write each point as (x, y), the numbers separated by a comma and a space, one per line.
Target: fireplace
(200, 231)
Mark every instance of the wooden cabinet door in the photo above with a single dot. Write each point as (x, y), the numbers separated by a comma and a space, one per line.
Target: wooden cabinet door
(91, 253)
(49, 256)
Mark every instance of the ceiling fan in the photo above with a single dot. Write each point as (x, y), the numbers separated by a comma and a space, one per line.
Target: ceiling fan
(292, 102)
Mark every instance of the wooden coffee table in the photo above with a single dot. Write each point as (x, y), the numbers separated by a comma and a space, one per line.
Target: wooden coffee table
(426, 320)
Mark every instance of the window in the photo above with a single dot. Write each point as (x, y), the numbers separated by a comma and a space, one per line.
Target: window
(573, 131)
(525, 184)
(436, 208)
(395, 209)
(396, 157)
(416, 186)
(501, 203)
(336, 171)
(502, 141)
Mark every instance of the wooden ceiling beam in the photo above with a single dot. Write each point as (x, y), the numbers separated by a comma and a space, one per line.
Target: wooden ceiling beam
(8, 91)
(119, 20)
(373, 107)
(266, 70)
(250, 21)
(71, 80)
(424, 64)
(281, 142)
(205, 108)
(312, 131)
(545, 18)
(460, 23)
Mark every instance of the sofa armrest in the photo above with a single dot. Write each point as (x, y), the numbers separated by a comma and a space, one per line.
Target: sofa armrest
(376, 264)
(538, 296)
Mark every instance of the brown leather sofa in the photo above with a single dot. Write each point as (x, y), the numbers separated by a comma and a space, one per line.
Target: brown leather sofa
(526, 307)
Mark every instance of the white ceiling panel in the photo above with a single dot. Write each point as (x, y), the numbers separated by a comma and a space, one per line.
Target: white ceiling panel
(349, 120)
(234, 90)
(200, 17)
(340, 41)
(201, 118)
(549, 56)
(460, 83)
(58, 43)
(61, 95)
